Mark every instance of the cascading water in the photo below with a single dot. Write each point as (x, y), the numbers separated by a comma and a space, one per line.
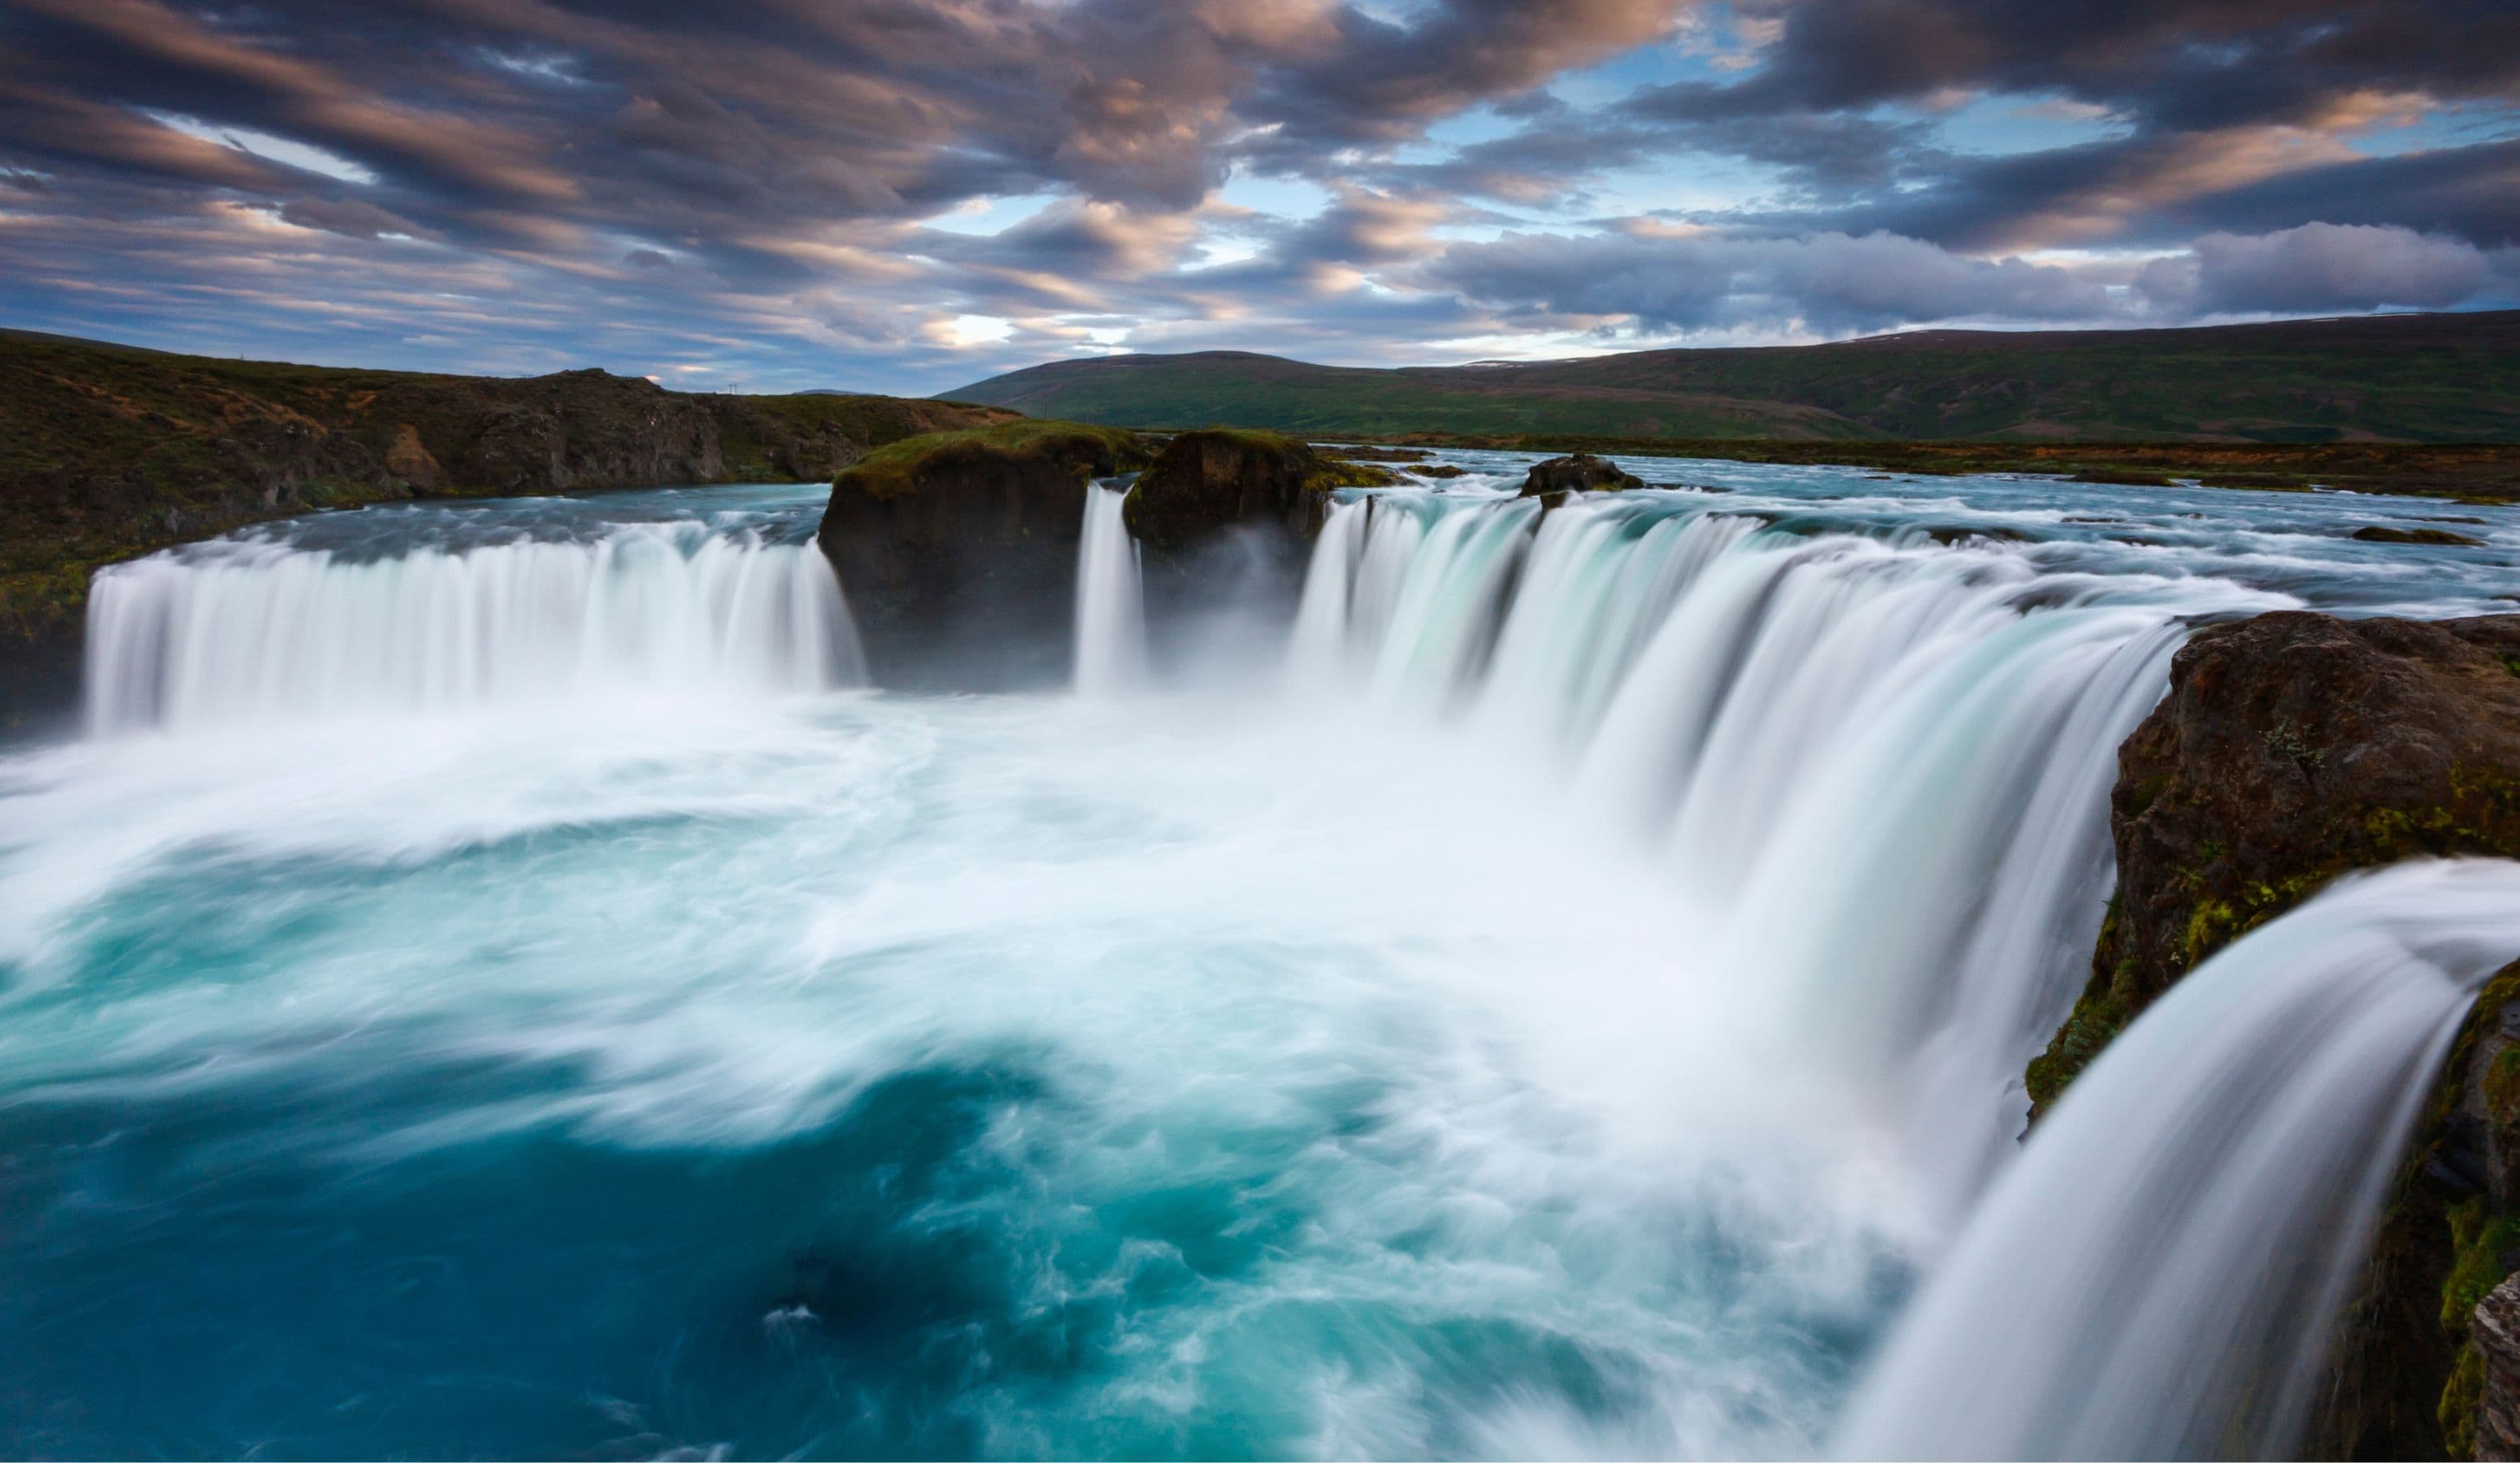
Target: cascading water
(1878, 770)
(260, 630)
(1110, 613)
(2157, 1276)
(1526, 1026)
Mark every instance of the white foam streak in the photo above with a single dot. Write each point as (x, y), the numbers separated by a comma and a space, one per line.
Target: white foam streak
(2157, 1277)
(1110, 613)
(241, 632)
(1878, 780)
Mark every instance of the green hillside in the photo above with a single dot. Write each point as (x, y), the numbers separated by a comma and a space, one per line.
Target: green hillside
(2399, 379)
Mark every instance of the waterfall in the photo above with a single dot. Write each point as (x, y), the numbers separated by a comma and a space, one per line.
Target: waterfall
(2156, 1277)
(252, 630)
(1880, 767)
(1110, 613)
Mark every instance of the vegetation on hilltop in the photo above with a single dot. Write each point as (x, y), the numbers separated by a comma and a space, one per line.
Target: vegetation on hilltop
(2410, 378)
(900, 467)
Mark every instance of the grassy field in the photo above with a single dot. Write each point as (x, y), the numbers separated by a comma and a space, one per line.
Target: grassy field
(2391, 378)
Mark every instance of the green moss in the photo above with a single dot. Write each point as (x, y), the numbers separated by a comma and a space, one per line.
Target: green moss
(893, 470)
(2479, 1238)
(2460, 1397)
(2284, 740)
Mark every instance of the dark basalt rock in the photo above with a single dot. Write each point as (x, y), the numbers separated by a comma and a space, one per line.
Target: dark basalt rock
(1206, 482)
(2292, 748)
(957, 551)
(1582, 472)
(2441, 537)
(1222, 518)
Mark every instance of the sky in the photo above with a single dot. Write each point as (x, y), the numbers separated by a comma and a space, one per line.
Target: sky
(910, 195)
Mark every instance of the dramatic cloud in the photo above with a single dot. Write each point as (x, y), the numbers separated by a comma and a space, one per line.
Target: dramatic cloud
(908, 193)
(2321, 269)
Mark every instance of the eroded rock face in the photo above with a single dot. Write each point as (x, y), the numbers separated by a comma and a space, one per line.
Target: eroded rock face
(2495, 1325)
(2291, 748)
(1582, 472)
(957, 552)
(1205, 483)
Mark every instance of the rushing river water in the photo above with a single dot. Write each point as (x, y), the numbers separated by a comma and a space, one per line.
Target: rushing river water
(491, 981)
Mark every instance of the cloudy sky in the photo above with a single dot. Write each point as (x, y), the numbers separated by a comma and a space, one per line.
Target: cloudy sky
(907, 195)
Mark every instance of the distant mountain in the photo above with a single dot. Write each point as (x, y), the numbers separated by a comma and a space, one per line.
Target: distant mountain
(2389, 377)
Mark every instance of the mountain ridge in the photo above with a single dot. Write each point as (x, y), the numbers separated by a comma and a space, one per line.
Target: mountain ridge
(2428, 377)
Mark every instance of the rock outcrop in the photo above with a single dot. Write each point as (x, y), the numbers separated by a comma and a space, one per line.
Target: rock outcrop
(957, 549)
(1205, 483)
(2495, 1326)
(1582, 472)
(108, 452)
(2292, 748)
(2440, 537)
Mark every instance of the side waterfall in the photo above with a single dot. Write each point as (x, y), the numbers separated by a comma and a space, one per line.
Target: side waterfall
(2157, 1276)
(1882, 767)
(239, 631)
(1110, 613)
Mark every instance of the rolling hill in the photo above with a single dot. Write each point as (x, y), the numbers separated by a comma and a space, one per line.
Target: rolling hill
(2393, 378)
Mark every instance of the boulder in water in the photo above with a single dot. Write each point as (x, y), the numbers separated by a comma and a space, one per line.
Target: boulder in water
(1205, 483)
(1581, 472)
(957, 550)
(2440, 537)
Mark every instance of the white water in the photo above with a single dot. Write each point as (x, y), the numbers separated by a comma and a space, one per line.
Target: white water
(1557, 1017)
(1110, 613)
(2156, 1277)
(1878, 773)
(261, 629)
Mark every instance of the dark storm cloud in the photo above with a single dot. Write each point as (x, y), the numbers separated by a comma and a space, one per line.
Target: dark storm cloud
(802, 186)
(2217, 97)
(2191, 65)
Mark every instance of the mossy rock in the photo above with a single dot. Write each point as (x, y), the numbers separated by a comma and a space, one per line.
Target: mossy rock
(1014, 448)
(1205, 483)
(2293, 748)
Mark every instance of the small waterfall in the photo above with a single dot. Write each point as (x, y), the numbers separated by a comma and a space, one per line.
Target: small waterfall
(1319, 648)
(1882, 768)
(254, 630)
(2157, 1276)
(1110, 613)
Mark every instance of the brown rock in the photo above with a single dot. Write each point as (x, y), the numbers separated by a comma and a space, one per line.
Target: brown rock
(957, 549)
(2443, 537)
(2494, 1327)
(2291, 748)
(1204, 482)
(1581, 472)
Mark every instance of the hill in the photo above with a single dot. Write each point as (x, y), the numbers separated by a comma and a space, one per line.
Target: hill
(109, 451)
(2373, 379)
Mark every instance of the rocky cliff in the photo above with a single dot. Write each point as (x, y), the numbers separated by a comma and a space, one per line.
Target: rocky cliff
(1206, 482)
(957, 549)
(2291, 748)
(108, 452)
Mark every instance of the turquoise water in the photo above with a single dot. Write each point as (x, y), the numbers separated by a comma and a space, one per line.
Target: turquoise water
(517, 1062)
